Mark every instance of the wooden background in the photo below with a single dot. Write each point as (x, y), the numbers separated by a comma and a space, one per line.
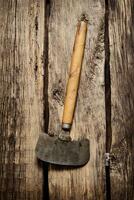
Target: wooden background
(36, 38)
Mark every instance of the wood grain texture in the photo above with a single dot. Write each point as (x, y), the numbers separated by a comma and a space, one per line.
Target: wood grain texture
(122, 88)
(21, 96)
(89, 120)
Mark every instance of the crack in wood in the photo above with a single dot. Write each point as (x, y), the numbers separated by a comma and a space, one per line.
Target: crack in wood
(45, 95)
(107, 98)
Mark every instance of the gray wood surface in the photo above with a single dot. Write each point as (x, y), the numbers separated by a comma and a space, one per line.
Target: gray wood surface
(89, 120)
(21, 96)
(121, 29)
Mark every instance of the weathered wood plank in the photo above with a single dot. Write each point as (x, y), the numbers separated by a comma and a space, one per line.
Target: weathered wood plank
(21, 95)
(122, 76)
(89, 121)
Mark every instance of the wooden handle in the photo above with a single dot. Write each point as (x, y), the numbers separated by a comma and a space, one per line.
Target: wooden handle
(74, 75)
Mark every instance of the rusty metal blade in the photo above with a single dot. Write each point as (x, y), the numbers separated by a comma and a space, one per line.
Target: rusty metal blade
(55, 151)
